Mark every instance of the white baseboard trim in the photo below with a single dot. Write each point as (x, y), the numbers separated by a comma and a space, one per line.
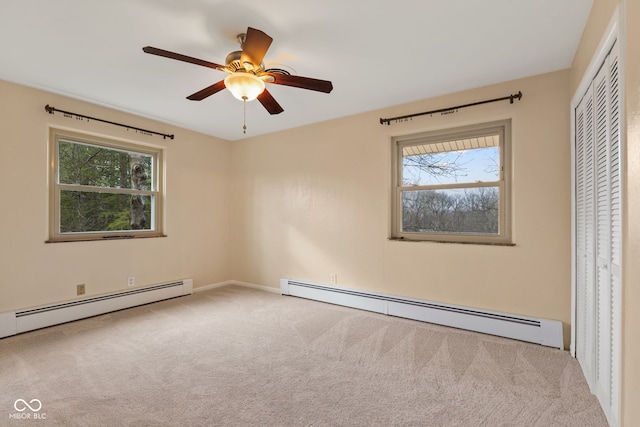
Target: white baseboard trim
(212, 286)
(259, 287)
(237, 283)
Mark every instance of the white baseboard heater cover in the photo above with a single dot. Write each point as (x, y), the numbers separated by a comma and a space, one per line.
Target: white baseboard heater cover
(529, 329)
(12, 323)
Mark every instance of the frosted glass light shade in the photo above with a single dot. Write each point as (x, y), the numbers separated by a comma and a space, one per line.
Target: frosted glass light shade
(244, 86)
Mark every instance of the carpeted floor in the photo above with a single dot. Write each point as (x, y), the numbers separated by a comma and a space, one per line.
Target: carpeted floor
(236, 356)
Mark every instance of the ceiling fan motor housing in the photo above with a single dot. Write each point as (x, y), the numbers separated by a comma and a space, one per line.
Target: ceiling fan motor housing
(235, 64)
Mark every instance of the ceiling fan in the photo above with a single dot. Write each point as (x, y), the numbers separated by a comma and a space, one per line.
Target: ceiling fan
(246, 73)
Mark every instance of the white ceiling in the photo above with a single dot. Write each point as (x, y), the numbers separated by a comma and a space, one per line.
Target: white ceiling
(377, 54)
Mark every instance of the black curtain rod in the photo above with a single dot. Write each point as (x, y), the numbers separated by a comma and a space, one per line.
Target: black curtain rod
(52, 110)
(517, 96)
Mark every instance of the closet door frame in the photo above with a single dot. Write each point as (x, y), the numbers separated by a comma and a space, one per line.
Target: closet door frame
(613, 36)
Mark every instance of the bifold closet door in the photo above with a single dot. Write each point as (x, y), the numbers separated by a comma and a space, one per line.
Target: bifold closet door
(598, 235)
(585, 239)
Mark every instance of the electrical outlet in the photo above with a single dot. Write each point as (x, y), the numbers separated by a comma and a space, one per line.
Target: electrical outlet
(334, 278)
(131, 281)
(80, 289)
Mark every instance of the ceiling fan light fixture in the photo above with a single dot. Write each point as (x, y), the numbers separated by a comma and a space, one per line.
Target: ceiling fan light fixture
(244, 86)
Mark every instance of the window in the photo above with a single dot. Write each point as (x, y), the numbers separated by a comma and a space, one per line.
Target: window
(103, 189)
(453, 185)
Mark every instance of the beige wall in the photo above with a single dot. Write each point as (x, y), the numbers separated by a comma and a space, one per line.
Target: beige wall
(315, 200)
(601, 15)
(599, 19)
(197, 215)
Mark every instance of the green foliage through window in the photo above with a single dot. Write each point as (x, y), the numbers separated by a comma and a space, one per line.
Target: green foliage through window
(84, 211)
(98, 166)
(101, 189)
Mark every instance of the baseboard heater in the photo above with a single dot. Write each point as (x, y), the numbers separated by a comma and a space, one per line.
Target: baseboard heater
(540, 331)
(12, 323)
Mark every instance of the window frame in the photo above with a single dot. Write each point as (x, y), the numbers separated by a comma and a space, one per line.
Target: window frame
(504, 236)
(55, 187)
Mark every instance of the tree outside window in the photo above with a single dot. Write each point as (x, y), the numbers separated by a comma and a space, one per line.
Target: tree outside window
(453, 185)
(103, 189)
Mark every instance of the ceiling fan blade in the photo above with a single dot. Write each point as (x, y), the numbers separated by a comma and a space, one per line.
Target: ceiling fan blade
(180, 57)
(301, 82)
(207, 91)
(256, 44)
(269, 103)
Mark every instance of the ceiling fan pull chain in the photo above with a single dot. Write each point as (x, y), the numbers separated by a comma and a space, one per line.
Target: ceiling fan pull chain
(244, 117)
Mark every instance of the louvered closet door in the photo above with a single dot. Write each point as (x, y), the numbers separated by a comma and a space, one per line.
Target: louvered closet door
(585, 240)
(608, 235)
(598, 235)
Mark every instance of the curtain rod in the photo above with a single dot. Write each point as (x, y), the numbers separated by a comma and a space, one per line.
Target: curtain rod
(52, 110)
(451, 109)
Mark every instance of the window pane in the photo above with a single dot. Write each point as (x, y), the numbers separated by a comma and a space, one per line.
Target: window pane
(103, 167)
(450, 167)
(467, 210)
(82, 211)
